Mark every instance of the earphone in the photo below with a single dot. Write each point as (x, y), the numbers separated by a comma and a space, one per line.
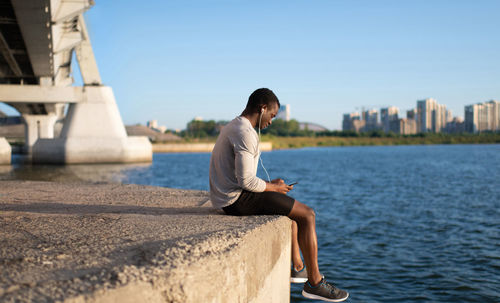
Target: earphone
(262, 163)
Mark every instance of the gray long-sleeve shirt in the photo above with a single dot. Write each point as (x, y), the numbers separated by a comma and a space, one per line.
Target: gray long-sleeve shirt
(233, 164)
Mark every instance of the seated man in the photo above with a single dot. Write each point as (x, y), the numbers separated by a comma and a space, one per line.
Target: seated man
(236, 189)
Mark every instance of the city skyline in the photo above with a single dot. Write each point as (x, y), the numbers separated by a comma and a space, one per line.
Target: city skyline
(427, 116)
(181, 60)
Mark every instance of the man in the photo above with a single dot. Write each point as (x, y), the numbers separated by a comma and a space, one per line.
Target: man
(236, 189)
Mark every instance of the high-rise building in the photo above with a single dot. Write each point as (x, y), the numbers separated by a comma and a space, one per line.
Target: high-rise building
(425, 108)
(387, 115)
(471, 115)
(482, 117)
(494, 115)
(411, 114)
(439, 118)
(284, 112)
(431, 116)
(449, 116)
(371, 120)
(405, 126)
(352, 122)
(456, 125)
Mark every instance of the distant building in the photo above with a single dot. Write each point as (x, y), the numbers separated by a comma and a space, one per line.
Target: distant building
(352, 122)
(404, 126)
(371, 120)
(284, 112)
(411, 114)
(449, 116)
(431, 116)
(198, 118)
(471, 115)
(425, 109)
(152, 124)
(410, 125)
(358, 125)
(388, 115)
(455, 126)
(482, 117)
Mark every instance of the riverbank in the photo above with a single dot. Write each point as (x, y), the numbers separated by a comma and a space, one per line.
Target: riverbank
(273, 142)
(299, 142)
(75, 242)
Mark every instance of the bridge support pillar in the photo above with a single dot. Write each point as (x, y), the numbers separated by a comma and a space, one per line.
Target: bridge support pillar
(5, 152)
(93, 132)
(38, 127)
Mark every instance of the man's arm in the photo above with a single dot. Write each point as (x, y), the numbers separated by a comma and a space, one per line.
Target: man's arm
(245, 172)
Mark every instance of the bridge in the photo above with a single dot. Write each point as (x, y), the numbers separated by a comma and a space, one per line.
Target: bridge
(37, 41)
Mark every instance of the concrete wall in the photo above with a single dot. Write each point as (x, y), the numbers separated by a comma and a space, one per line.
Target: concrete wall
(254, 267)
(69, 242)
(196, 147)
(93, 132)
(5, 152)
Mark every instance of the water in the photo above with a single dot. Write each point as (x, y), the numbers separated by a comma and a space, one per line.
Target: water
(394, 223)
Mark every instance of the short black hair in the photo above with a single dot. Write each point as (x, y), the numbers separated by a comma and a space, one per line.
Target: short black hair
(260, 97)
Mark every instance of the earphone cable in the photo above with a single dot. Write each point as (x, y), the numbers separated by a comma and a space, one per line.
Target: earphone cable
(260, 158)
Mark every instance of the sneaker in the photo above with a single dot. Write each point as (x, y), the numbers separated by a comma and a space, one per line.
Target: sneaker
(299, 276)
(324, 291)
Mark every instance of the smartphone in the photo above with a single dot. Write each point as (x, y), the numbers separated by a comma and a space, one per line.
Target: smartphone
(293, 183)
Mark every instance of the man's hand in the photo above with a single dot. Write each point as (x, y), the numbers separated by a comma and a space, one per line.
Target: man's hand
(278, 185)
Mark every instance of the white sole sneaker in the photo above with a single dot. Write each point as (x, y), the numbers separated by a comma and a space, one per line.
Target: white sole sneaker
(315, 297)
(298, 280)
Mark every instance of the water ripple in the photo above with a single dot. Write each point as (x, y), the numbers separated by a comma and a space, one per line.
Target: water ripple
(394, 223)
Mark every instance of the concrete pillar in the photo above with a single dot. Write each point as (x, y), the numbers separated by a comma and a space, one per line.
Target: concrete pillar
(93, 132)
(38, 126)
(5, 152)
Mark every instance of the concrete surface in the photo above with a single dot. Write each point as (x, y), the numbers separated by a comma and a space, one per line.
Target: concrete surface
(73, 242)
(5, 152)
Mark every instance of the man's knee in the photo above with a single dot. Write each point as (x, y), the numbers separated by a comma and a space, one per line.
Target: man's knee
(302, 214)
(311, 215)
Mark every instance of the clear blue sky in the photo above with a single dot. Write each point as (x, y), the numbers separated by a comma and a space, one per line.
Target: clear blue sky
(174, 60)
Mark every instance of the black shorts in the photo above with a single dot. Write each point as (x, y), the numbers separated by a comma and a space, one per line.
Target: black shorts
(265, 203)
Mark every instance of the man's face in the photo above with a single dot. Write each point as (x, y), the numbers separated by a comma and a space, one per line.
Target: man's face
(268, 115)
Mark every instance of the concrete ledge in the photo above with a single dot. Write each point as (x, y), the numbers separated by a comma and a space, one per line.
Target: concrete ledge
(196, 147)
(130, 243)
(5, 152)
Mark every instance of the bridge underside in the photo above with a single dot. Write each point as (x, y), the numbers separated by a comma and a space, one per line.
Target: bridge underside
(37, 41)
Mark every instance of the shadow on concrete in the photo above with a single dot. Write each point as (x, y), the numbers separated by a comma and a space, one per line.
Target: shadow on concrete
(82, 209)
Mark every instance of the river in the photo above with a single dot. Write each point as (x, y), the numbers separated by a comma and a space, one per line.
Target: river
(394, 223)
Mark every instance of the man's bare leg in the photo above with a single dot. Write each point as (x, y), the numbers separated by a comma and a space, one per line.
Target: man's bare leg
(306, 223)
(296, 259)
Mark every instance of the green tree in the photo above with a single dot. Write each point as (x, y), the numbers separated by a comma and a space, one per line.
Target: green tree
(203, 129)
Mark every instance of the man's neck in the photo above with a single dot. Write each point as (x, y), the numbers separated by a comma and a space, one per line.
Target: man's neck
(252, 118)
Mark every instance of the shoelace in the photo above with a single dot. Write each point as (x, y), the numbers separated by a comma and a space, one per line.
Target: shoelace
(329, 286)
